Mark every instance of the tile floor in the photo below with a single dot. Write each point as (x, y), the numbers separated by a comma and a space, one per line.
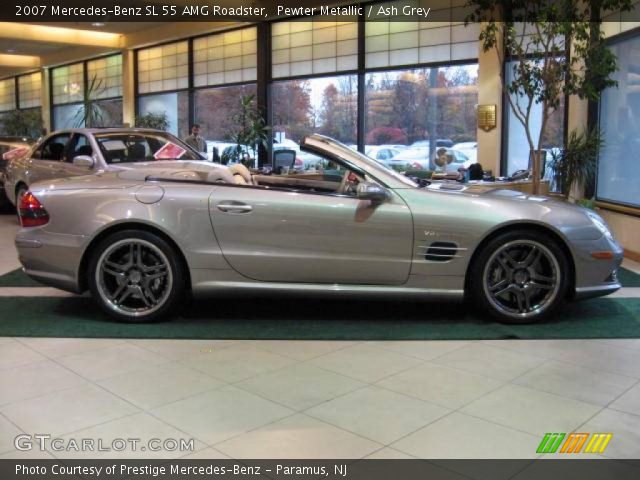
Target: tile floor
(317, 399)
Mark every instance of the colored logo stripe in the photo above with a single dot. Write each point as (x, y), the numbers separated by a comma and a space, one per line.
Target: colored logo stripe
(550, 443)
(574, 443)
(598, 443)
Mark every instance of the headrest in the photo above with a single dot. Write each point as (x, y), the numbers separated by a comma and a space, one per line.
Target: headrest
(220, 175)
(242, 171)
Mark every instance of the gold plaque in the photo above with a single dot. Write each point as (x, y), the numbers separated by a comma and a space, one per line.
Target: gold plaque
(486, 117)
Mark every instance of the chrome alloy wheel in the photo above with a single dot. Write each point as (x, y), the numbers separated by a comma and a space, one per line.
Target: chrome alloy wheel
(134, 277)
(522, 278)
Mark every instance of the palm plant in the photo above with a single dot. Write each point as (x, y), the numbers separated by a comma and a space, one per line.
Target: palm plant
(575, 164)
(155, 120)
(90, 113)
(252, 131)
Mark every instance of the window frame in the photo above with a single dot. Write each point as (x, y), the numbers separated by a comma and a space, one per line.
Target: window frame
(85, 80)
(615, 206)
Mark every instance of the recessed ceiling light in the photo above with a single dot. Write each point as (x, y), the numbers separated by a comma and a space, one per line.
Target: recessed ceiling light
(98, 24)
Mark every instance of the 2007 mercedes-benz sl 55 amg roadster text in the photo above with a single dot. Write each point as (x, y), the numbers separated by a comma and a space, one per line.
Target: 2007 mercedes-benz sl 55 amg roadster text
(141, 239)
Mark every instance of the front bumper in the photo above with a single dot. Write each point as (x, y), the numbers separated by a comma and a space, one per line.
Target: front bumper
(596, 277)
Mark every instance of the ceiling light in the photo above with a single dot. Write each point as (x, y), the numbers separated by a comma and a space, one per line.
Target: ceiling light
(98, 24)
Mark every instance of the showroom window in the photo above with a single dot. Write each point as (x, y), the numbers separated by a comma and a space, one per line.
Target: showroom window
(618, 174)
(217, 111)
(7, 95)
(101, 79)
(30, 88)
(175, 105)
(325, 102)
(7, 99)
(163, 68)
(68, 83)
(517, 146)
(224, 71)
(326, 105)
(394, 43)
(107, 75)
(163, 80)
(313, 47)
(228, 57)
(422, 109)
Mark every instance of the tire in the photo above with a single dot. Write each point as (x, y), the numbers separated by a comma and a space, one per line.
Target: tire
(519, 277)
(136, 276)
(20, 191)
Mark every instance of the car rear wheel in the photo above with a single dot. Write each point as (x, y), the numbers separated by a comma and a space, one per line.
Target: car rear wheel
(136, 276)
(520, 277)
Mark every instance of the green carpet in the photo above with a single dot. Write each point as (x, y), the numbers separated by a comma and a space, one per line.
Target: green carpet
(305, 319)
(628, 278)
(17, 278)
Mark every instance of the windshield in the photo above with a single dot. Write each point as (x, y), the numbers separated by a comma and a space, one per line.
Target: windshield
(128, 147)
(373, 167)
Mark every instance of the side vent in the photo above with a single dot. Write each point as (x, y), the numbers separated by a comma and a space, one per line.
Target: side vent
(441, 251)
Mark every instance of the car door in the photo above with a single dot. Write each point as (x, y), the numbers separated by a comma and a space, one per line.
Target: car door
(47, 161)
(289, 235)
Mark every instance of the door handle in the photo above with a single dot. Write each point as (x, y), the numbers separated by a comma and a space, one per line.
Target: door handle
(234, 207)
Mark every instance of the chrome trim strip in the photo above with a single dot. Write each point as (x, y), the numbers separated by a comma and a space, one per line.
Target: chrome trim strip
(202, 287)
(28, 243)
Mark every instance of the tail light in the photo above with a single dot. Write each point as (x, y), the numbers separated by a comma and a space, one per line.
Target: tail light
(32, 213)
(417, 166)
(299, 163)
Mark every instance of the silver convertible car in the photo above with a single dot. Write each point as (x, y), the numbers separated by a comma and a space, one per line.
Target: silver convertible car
(84, 151)
(141, 239)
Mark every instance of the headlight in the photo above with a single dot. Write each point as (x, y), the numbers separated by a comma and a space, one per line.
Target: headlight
(600, 224)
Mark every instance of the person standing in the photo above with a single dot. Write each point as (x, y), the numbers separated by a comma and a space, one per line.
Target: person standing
(196, 141)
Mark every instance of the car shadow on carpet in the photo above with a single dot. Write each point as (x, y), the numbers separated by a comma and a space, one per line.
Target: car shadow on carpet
(280, 317)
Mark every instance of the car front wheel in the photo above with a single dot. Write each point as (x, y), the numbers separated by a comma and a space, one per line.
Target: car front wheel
(520, 276)
(136, 276)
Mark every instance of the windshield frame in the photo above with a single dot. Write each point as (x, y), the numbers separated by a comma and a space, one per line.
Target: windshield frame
(373, 168)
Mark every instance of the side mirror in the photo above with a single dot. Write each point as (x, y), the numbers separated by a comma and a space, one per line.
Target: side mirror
(83, 161)
(371, 191)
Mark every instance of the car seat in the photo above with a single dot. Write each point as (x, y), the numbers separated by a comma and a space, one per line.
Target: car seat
(137, 151)
(84, 150)
(56, 150)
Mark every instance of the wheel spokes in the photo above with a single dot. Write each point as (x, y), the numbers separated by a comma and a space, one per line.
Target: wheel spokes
(521, 277)
(135, 276)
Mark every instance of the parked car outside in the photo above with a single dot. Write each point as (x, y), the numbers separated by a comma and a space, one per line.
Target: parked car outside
(86, 151)
(141, 239)
(440, 142)
(470, 149)
(10, 149)
(418, 158)
(381, 153)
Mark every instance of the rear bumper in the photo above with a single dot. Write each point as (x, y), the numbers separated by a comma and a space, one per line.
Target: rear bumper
(51, 259)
